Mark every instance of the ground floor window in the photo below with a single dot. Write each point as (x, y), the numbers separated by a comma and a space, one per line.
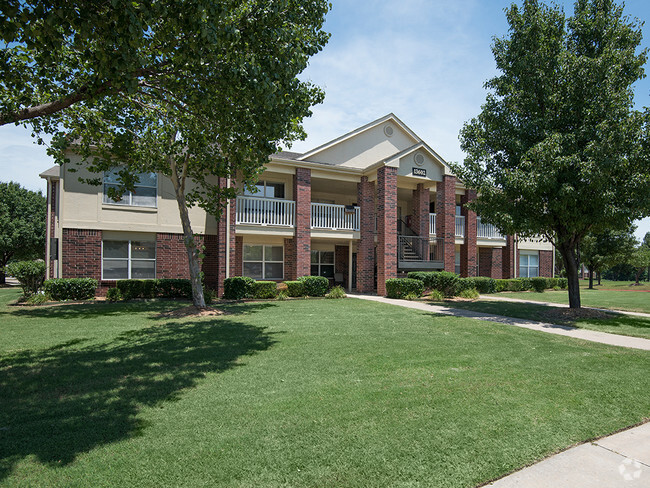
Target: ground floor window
(322, 263)
(123, 260)
(457, 262)
(264, 262)
(528, 264)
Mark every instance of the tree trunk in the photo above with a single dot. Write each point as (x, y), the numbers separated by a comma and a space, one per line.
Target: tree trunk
(599, 276)
(591, 278)
(638, 275)
(568, 251)
(2, 276)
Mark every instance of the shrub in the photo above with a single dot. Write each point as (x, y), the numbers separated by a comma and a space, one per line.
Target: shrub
(551, 282)
(173, 288)
(401, 287)
(282, 295)
(113, 295)
(295, 288)
(563, 283)
(130, 289)
(209, 295)
(30, 275)
(336, 292)
(500, 285)
(442, 281)
(484, 284)
(314, 286)
(464, 284)
(238, 287)
(436, 296)
(513, 285)
(526, 284)
(38, 298)
(470, 293)
(70, 288)
(539, 284)
(265, 289)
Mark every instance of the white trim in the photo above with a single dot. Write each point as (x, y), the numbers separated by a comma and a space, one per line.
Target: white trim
(129, 260)
(263, 261)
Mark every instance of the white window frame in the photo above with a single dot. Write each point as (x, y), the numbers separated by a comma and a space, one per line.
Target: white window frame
(320, 263)
(528, 266)
(127, 200)
(265, 183)
(263, 261)
(129, 260)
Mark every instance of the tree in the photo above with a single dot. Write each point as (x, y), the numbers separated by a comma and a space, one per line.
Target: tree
(607, 249)
(206, 90)
(641, 260)
(557, 149)
(22, 224)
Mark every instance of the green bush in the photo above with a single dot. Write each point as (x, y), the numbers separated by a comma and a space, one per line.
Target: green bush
(401, 287)
(464, 284)
(470, 293)
(513, 285)
(113, 295)
(30, 275)
(563, 283)
(314, 286)
(282, 295)
(238, 287)
(130, 289)
(173, 288)
(265, 289)
(295, 288)
(500, 285)
(435, 295)
(336, 292)
(526, 284)
(551, 282)
(539, 284)
(484, 284)
(70, 288)
(38, 298)
(443, 281)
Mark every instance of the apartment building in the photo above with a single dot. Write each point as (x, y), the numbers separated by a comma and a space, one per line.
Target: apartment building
(370, 205)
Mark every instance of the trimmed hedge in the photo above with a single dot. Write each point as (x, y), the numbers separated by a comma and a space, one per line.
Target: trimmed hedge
(30, 275)
(238, 287)
(403, 287)
(70, 288)
(164, 288)
(539, 284)
(295, 288)
(443, 281)
(563, 283)
(265, 289)
(174, 288)
(314, 286)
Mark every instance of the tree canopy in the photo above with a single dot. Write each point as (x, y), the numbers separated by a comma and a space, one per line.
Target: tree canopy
(558, 148)
(194, 90)
(22, 224)
(607, 249)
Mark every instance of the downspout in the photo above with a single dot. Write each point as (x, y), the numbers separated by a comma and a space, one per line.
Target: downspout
(514, 257)
(553, 272)
(48, 231)
(228, 233)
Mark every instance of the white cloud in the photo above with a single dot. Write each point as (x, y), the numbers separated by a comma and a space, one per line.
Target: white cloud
(21, 159)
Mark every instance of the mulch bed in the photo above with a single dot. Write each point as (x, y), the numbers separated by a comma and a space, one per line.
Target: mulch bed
(192, 311)
(568, 315)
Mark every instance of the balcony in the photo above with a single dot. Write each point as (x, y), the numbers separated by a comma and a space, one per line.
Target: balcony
(487, 231)
(265, 211)
(335, 217)
(460, 225)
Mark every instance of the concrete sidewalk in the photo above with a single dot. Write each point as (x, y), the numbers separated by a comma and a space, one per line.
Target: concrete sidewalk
(618, 461)
(559, 305)
(564, 330)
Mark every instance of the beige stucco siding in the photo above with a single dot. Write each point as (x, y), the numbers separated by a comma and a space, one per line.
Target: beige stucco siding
(535, 244)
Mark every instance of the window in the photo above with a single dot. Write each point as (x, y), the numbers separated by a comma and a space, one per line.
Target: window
(144, 194)
(264, 262)
(322, 263)
(267, 189)
(457, 262)
(528, 264)
(128, 259)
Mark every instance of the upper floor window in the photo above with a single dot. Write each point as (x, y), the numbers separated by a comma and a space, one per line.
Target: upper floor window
(144, 194)
(267, 189)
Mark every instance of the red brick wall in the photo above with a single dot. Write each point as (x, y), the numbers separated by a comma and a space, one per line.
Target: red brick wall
(508, 259)
(302, 196)
(366, 244)
(420, 217)
(341, 259)
(468, 249)
(386, 226)
(209, 265)
(446, 219)
(82, 253)
(290, 260)
(490, 262)
(546, 263)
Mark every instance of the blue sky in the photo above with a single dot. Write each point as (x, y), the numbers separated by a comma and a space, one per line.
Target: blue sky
(424, 60)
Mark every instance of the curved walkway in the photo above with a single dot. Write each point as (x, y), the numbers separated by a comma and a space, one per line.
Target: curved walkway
(564, 330)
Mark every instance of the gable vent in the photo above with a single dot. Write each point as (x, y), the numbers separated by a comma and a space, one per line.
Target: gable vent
(388, 130)
(418, 158)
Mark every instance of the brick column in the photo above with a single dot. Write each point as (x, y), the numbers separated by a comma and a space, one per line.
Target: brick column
(366, 245)
(302, 239)
(508, 259)
(546, 263)
(225, 239)
(386, 226)
(468, 250)
(446, 219)
(490, 262)
(420, 219)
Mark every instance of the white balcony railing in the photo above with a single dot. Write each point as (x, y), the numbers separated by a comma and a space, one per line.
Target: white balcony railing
(334, 217)
(432, 224)
(460, 226)
(265, 211)
(486, 231)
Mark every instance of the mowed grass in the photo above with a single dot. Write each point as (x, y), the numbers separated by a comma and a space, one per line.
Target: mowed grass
(297, 393)
(613, 323)
(631, 299)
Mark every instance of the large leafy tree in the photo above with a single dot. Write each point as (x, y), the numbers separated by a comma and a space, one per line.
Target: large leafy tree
(22, 224)
(605, 250)
(200, 90)
(558, 149)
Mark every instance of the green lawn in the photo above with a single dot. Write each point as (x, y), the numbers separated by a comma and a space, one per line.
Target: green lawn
(615, 323)
(623, 299)
(296, 393)
(617, 285)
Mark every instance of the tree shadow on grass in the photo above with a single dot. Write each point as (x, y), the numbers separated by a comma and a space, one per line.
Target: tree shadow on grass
(67, 399)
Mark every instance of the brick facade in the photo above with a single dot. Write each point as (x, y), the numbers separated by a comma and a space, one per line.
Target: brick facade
(546, 263)
(238, 266)
(366, 244)
(446, 219)
(489, 261)
(468, 248)
(420, 217)
(508, 258)
(386, 226)
(341, 260)
(225, 244)
(302, 240)
(290, 260)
